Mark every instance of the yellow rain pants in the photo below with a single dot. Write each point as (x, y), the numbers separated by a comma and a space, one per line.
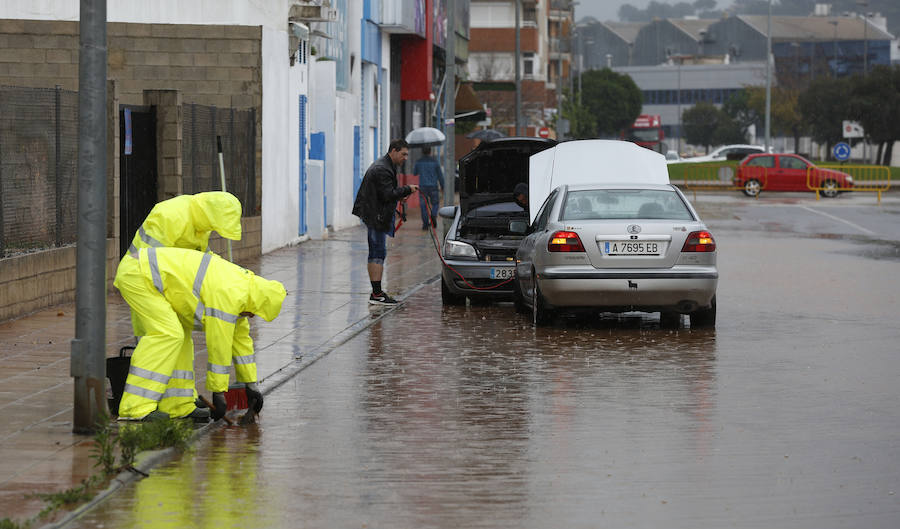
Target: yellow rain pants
(171, 290)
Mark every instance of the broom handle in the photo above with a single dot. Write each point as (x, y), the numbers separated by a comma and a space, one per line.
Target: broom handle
(222, 178)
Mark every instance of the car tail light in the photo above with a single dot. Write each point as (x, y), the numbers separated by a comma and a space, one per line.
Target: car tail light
(699, 241)
(565, 241)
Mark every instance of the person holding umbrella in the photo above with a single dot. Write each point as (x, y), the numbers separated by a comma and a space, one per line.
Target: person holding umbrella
(431, 183)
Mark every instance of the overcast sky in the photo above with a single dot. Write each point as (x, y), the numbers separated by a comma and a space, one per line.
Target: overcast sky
(604, 9)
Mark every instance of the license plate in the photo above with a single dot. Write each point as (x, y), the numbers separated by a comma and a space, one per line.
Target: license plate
(632, 248)
(503, 273)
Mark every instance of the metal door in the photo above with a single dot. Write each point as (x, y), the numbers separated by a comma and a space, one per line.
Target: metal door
(137, 170)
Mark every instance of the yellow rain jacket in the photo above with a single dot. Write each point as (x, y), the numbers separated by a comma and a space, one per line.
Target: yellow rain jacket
(187, 220)
(171, 290)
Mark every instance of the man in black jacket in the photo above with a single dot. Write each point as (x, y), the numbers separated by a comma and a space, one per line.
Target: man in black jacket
(375, 204)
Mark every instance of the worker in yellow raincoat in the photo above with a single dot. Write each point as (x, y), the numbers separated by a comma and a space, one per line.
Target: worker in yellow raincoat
(186, 221)
(171, 290)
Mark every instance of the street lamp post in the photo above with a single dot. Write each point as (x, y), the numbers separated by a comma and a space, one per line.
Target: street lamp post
(679, 106)
(768, 118)
(865, 6)
(834, 70)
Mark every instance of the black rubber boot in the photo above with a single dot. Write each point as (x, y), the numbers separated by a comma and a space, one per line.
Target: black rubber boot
(155, 415)
(199, 415)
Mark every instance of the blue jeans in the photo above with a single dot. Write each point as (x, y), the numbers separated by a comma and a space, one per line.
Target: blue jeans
(377, 245)
(435, 202)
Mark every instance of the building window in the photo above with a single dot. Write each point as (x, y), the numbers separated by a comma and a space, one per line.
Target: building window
(528, 64)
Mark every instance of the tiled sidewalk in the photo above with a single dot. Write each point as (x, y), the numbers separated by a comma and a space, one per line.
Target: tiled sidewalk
(327, 288)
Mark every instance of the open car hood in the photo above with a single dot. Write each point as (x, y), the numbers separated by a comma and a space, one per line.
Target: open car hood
(489, 173)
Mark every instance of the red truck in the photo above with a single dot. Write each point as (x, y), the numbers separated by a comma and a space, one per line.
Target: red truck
(647, 132)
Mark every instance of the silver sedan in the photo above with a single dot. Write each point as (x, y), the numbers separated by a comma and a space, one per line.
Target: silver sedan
(618, 248)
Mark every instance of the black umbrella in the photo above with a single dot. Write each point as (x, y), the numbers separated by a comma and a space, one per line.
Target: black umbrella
(485, 135)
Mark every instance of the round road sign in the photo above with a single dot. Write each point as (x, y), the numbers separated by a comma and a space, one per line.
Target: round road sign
(544, 132)
(841, 151)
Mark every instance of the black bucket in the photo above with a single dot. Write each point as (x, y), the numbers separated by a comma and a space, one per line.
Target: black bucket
(117, 371)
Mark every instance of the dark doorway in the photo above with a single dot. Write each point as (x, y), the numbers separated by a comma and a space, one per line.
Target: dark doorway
(137, 169)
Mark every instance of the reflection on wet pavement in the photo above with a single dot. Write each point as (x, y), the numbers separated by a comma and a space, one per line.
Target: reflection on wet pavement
(783, 416)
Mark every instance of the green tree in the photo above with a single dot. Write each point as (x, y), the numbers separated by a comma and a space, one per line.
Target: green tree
(612, 99)
(699, 123)
(582, 124)
(875, 103)
(785, 113)
(823, 106)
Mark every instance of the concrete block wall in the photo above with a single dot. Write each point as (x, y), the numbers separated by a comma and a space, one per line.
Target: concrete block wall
(211, 65)
(35, 281)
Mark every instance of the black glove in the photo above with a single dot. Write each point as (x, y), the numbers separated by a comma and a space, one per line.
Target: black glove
(221, 406)
(254, 397)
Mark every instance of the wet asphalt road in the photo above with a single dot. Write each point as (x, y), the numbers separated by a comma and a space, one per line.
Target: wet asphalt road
(783, 416)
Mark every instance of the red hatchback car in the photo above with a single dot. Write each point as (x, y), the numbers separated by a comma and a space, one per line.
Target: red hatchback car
(788, 172)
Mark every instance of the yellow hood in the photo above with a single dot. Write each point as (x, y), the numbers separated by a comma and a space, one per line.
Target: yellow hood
(265, 297)
(219, 211)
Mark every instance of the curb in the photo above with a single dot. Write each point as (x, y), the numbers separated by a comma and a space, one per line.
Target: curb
(145, 461)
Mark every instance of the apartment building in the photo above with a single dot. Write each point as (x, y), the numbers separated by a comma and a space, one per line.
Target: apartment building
(545, 36)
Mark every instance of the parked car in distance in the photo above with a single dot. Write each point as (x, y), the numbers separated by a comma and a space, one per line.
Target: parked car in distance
(614, 236)
(673, 157)
(486, 228)
(727, 152)
(788, 172)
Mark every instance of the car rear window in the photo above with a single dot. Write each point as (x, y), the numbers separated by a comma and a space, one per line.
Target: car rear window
(600, 204)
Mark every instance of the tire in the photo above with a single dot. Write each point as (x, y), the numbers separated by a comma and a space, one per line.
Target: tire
(752, 187)
(670, 320)
(540, 314)
(704, 317)
(830, 189)
(449, 298)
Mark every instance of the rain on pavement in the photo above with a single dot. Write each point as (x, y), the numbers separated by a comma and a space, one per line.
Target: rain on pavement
(783, 416)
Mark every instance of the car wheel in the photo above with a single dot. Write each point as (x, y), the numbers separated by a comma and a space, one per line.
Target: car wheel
(669, 320)
(752, 187)
(540, 314)
(519, 299)
(830, 188)
(449, 298)
(704, 317)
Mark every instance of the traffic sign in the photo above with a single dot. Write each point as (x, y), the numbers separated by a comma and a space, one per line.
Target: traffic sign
(852, 129)
(544, 132)
(841, 151)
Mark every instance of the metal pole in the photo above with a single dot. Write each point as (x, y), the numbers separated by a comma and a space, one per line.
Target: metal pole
(679, 106)
(866, 43)
(518, 70)
(450, 105)
(769, 77)
(89, 346)
(835, 49)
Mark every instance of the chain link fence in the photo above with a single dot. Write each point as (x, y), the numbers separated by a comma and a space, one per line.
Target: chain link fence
(200, 157)
(38, 169)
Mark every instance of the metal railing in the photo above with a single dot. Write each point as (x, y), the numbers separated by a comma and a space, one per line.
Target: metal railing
(827, 179)
(38, 169)
(200, 163)
(866, 178)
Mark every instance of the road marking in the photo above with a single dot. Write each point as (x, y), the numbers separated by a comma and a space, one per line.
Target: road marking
(830, 216)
